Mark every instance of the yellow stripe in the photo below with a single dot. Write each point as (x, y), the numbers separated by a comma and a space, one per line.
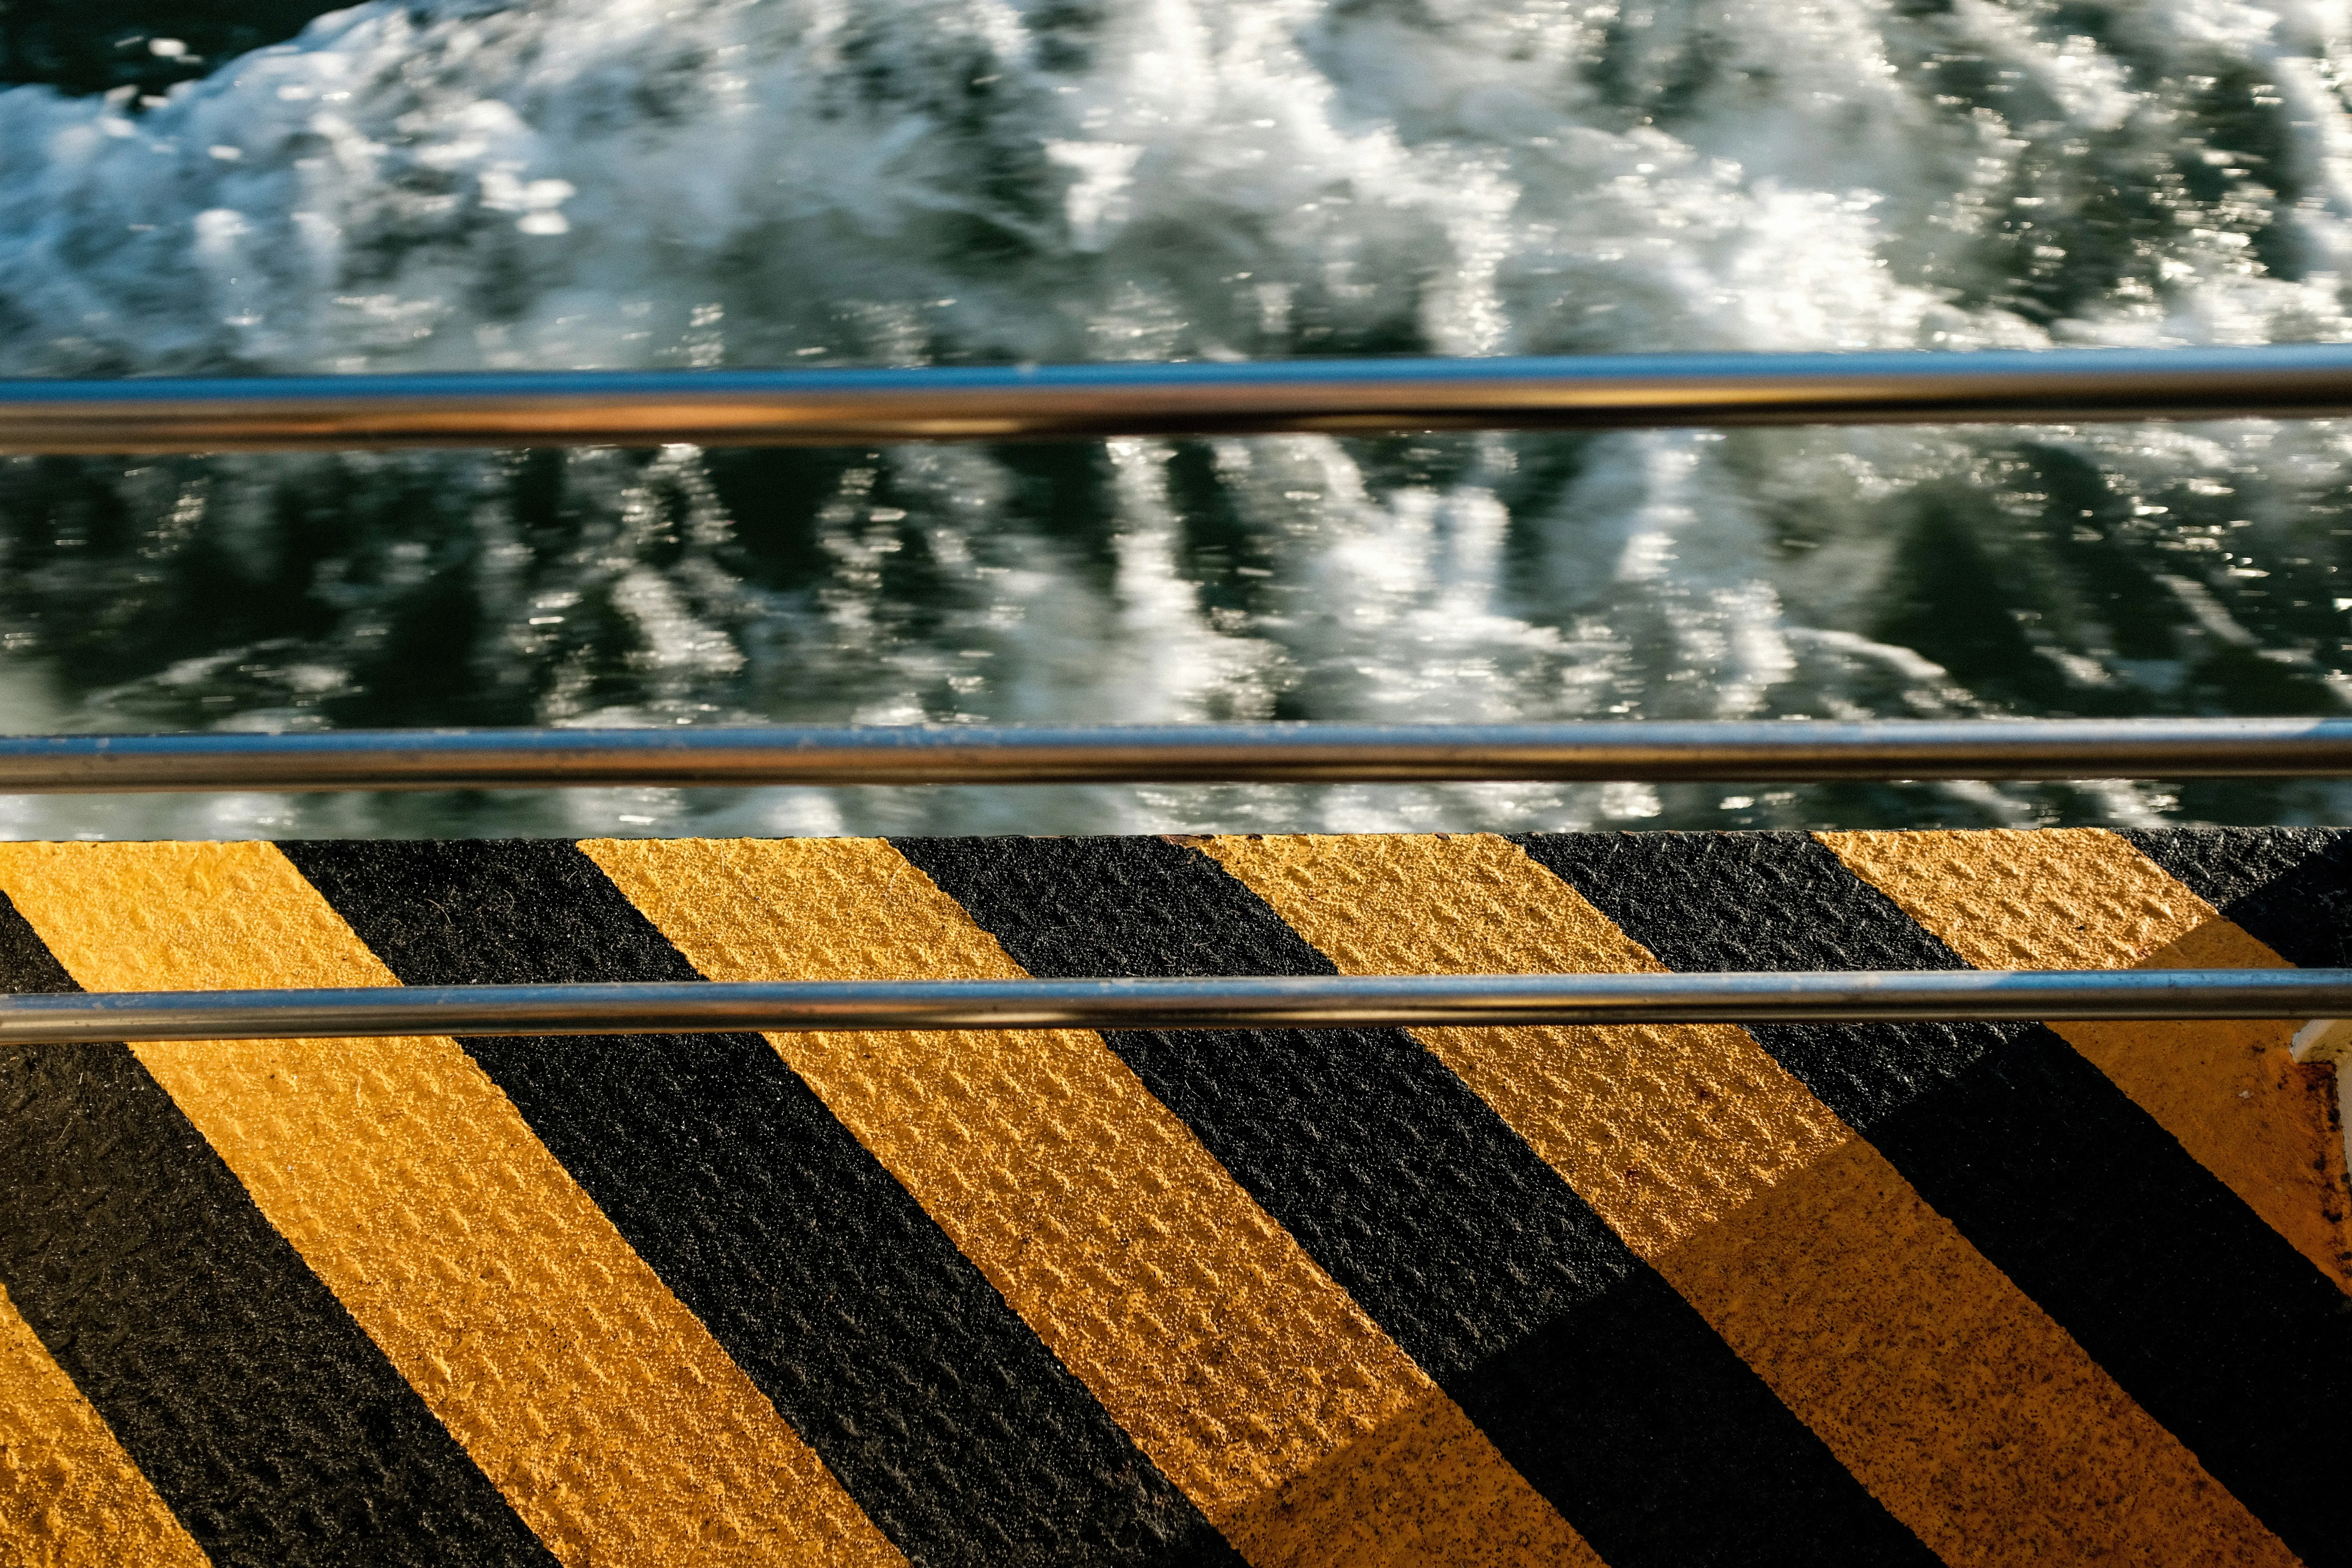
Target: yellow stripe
(1663, 1131)
(1972, 1416)
(69, 1495)
(2083, 899)
(1246, 1373)
(600, 1406)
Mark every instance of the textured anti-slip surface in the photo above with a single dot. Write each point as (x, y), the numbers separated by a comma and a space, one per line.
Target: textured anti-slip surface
(1640, 1296)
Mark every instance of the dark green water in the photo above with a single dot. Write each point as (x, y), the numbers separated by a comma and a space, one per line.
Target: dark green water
(95, 46)
(602, 183)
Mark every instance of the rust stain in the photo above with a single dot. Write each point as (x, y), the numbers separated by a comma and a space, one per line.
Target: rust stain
(2083, 899)
(1976, 1419)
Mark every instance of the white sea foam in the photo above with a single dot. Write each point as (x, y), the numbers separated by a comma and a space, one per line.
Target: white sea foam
(605, 183)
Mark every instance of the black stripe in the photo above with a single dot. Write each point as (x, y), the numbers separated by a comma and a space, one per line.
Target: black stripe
(947, 1419)
(2215, 1323)
(2291, 888)
(1607, 1391)
(265, 1417)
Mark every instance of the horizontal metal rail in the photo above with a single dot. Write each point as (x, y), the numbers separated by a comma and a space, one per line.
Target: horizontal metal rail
(834, 407)
(1231, 1003)
(1204, 753)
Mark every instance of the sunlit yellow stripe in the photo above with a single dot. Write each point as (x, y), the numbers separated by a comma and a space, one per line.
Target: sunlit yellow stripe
(69, 1495)
(1250, 1378)
(600, 1406)
(1664, 1131)
(1972, 1416)
(2085, 899)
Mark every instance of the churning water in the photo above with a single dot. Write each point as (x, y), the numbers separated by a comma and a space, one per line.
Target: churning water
(674, 183)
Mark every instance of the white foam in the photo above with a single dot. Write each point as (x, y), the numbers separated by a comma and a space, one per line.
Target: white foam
(605, 183)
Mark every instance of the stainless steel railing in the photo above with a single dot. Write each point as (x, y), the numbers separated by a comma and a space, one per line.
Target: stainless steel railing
(1238, 1002)
(1201, 753)
(753, 407)
(1073, 402)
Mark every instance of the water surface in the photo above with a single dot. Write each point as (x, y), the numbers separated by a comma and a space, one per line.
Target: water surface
(453, 185)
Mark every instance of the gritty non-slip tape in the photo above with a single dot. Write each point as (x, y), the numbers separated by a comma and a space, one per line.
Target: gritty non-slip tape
(1866, 1312)
(600, 1407)
(1240, 1367)
(67, 1491)
(1974, 1294)
(2081, 898)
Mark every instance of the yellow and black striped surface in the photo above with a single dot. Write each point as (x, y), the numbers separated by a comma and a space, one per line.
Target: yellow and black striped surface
(1632, 1296)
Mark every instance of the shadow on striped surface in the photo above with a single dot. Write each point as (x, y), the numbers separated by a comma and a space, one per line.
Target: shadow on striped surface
(1673, 1295)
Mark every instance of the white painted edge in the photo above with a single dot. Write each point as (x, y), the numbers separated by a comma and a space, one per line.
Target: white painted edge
(2322, 1040)
(2329, 1041)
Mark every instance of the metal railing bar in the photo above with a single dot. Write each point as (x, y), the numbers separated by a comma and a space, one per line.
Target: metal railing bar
(1225, 1003)
(835, 408)
(1780, 751)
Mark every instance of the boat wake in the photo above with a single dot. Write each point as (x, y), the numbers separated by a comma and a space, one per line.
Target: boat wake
(625, 183)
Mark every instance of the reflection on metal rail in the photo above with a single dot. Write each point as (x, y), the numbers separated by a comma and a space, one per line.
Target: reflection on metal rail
(1199, 754)
(832, 407)
(1229, 1003)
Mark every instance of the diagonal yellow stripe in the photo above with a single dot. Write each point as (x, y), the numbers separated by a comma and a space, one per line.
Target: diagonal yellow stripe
(2085, 899)
(69, 1495)
(1246, 1373)
(604, 1410)
(1664, 1131)
(1970, 1414)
